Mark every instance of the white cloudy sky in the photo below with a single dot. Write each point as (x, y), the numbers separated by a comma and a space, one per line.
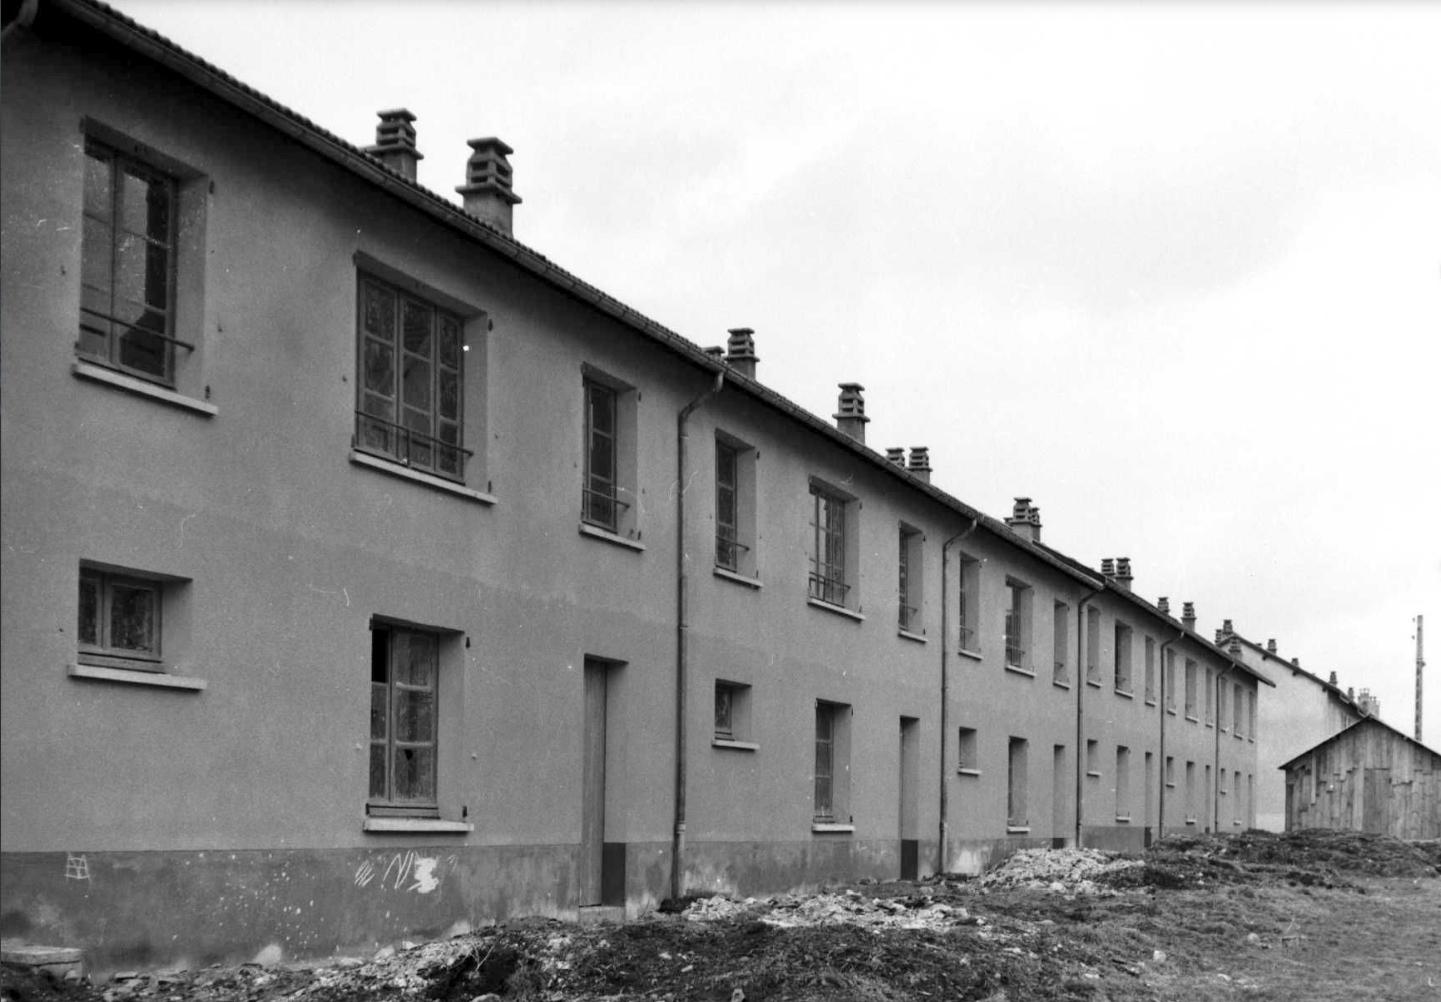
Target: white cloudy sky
(1173, 271)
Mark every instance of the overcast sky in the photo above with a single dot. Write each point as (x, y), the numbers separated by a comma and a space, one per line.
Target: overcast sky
(1172, 271)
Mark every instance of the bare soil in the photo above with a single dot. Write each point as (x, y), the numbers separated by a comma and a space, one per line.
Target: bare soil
(1314, 915)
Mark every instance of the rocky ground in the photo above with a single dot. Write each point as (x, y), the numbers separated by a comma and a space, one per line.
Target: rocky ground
(1315, 915)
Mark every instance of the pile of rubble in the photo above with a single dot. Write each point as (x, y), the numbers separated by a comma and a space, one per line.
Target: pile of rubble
(1065, 871)
(789, 911)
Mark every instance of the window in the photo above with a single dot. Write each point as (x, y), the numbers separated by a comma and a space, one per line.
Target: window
(1016, 783)
(128, 265)
(609, 477)
(1221, 704)
(832, 762)
(1123, 658)
(1190, 689)
(1150, 671)
(1210, 696)
(1207, 800)
(119, 620)
(1190, 793)
(967, 757)
(910, 590)
(732, 712)
(1237, 808)
(404, 691)
(831, 533)
(1123, 783)
(1170, 771)
(1093, 757)
(727, 506)
(1251, 715)
(1221, 783)
(1238, 708)
(1093, 646)
(1061, 616)
(1018, 625)
(969, 598)
(411, 381)
(1169, 682)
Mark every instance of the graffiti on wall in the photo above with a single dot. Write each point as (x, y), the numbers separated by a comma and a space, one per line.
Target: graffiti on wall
(76, 867)
(404, 871)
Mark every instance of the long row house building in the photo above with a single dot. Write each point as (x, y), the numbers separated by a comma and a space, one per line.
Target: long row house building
(366, 575)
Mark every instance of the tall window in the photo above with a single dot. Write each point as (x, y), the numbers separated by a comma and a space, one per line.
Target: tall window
(727, 514)
(1150, 670)
(1251, 715)
(1093, 646)
(1060, 617)
(1018, 624)
(1221, 703)
(1123, 657)
(969, 601)
(909, 588)
(828, 547)
(1190, 793)
(403, 711)
(1190, 689)
(831, 762)
(1123, 783)
(119, 619)
(1237, 707)
(1017, 815)
(1169, 682)
(600, 504)
(1210, 695)
(127, 278)
(410, 380)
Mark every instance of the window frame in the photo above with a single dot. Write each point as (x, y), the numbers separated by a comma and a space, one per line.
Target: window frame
(387, 803)
(968, 756)
(122, 158)
(831, 793)
(968, 599)
(1150, 669)
(104, 654)
(390, 438)
(1018, 817)
(735, 730)
(727, 506)
(1017, 625)
(1191, 677)
(832, 572)
(910, 590)
(1060, 641)
(1123, 640)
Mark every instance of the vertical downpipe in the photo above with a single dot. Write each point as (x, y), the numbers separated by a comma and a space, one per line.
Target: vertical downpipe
(677, 861)
(945, 685)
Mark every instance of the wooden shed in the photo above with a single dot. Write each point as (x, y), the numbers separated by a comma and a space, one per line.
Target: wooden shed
(1369, 777)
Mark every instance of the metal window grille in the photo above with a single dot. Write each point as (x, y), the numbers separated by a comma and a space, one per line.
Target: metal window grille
(908, 610)
(1015, 627)
(600, 501)
(828, 555)
(127, 271)
(404, 700)
(411, 381)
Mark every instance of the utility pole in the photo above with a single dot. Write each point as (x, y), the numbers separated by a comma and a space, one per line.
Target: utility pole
(1420, 663)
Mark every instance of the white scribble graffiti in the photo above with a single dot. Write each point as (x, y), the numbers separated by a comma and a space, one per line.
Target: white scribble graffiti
(76, 867)
(424, 874)
(364, 873)
(407, 871)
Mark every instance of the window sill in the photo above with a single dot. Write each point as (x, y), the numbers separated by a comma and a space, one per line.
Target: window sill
(1150, 700)
(1018, 670)
(606, 536)
(828, 827)
(1190, 821)
(1018, 829)
(721, 572)
(136, 676)
(132, 384)
(973, 655)
(1061, 683)
(1094, 683)
(1236, 823)
(734, 745)
(406, 473)
(432, 826)
(911, 635)
(1194, 720)
(1095, 773)
(1170, 786)
(1125, 694)
(1123, 819)
(1171, 710)
(963, 771)
(839, 610)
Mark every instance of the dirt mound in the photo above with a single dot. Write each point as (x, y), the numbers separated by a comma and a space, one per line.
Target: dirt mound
(1067, 871)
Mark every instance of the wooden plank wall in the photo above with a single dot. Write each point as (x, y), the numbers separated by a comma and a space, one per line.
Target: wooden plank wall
(1367, 779)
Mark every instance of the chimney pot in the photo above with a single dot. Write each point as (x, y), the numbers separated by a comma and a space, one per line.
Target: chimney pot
(741, 351)
(1123, 572)
(716, 352)
(896, 454)
(1351, 693)
(1108, 567)
(1296, 663)
(1333, 680)
(1025, 520)
(395, 142)
(1188, 615)
(487, 190)
(1234, 647)
(851, 412)
(1164, 604)
(920, 464)
(1271, 646)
